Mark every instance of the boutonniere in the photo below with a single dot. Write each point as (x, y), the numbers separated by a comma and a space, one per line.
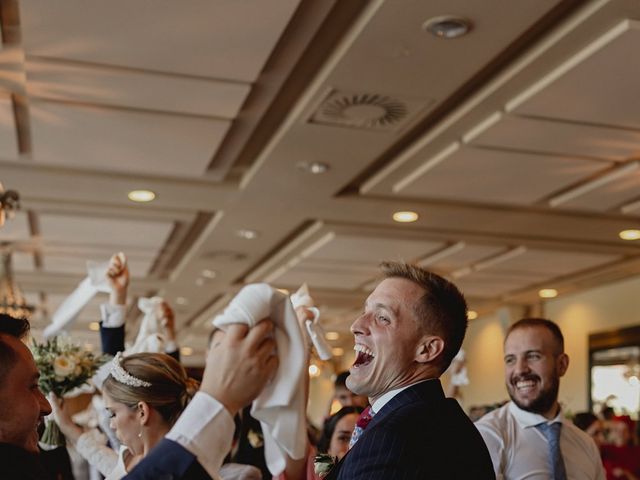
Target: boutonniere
(256, 440)
(323, 463)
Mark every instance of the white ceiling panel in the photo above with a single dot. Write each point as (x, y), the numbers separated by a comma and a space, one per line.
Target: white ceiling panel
(78, 265)
(611, 195)
(602, 89)
(8, 135)
(104, 231)
(547, 264)
(497, 176)
(22, 262)
(16, 229)
(330, 276)
(468, 255)
(561, 138)
(134, 89)
(226, 39)
(126, 141)
(371, 251)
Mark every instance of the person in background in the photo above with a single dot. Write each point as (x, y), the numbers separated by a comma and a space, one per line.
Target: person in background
(529, 437)
(346, 397)
(336, 434)
(621, 456)
(591, 425)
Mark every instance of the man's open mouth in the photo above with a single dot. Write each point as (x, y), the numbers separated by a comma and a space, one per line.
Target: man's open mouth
(364, 356)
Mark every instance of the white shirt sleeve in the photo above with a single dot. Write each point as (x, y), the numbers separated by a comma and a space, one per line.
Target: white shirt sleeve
(170, 346)
(112, 315)
(495, 445)
(206, 429)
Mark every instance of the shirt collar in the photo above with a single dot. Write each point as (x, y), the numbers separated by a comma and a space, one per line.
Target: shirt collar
(529, 419)
(386, 398)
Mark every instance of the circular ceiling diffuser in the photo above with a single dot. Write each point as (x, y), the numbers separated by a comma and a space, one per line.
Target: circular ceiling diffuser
(363, 110)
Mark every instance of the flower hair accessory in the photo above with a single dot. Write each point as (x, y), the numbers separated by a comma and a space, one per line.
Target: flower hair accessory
(122, 376)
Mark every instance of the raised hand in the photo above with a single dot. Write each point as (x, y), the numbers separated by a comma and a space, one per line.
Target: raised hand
(118, 277)
(239, 364)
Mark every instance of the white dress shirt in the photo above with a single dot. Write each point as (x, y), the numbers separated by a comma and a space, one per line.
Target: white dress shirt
(520, 451)
(386, 398)
(206, 429)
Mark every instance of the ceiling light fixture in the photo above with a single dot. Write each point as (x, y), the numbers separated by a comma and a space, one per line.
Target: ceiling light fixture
(447, 27)
(181, 300)
(247, 234)
(315, 168)
(12, 302)
(472, 314)
(548, 293)
(337, 351)
(405, 217)
(186, 351)
(9, 203)
(141, 196)
(629, 234)
(206, 273)
(94, 326)
(332, 335)
(314, 370)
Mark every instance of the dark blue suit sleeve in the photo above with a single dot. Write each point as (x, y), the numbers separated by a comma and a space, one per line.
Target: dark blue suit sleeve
(112, 339)
(168, 461)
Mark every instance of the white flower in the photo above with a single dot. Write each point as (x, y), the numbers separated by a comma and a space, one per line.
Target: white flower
(63, 366)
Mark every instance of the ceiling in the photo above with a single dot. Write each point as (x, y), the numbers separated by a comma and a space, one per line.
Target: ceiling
(518, 145)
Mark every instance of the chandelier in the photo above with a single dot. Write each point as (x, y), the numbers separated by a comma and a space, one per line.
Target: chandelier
(12, 301)
(9, 203)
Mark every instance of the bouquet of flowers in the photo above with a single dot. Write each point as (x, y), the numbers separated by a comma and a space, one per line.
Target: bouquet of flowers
(323, 463)
(63, 367)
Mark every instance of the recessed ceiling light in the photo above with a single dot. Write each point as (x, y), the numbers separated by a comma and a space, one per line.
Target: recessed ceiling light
(472, 314)
(332, 335)
(315, 168)
(447, 27)
(186, 351)
(181, 301)
(94, 326)
(206, 273)
(629, 234)
(548, 293)
(141, 196)
(337, 351)
(247, 234)
(405, 217)
(314, 370)
(200, 281)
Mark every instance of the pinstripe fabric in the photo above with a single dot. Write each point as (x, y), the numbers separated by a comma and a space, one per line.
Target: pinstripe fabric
(417, 435)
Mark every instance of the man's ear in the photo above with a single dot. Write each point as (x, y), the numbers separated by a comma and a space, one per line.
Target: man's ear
(563, 364)
(143, 412)
(429, 349)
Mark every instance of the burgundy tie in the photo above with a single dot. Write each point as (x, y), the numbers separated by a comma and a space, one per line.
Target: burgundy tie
(363, 421)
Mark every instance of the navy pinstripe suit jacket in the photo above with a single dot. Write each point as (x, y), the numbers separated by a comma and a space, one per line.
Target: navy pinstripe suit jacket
(419, 434)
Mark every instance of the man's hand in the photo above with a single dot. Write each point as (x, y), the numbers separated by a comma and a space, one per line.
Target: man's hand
(239, 364)
(168, 321)
(118, 277)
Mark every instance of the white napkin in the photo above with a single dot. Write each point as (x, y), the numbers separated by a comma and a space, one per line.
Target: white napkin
(68, 310)
(280, 407)
(302, 298)
(459, 378)
(149, 338)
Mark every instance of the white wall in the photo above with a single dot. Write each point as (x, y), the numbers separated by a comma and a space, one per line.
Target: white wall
(596, 310)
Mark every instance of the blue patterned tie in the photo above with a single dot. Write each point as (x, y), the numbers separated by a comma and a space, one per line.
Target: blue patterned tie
(551, 432)
(363, 421)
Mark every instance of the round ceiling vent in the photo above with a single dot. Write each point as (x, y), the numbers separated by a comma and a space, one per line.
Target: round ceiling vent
(362, 111)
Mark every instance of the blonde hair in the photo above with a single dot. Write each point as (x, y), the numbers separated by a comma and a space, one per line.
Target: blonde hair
(170, 391)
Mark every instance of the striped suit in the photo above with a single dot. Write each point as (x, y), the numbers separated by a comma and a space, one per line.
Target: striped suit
(418, 435)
